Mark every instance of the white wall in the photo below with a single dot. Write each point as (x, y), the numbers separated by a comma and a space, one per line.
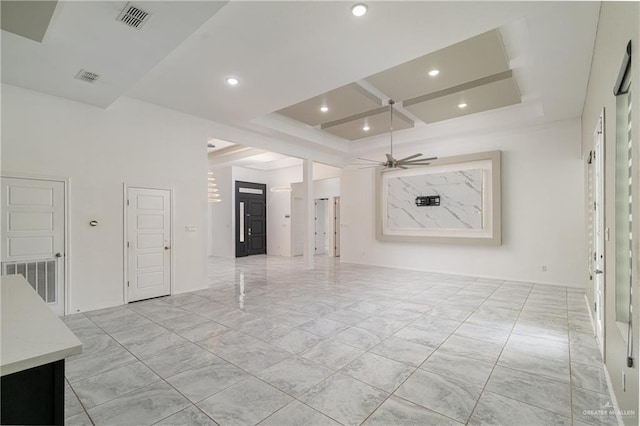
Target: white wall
(323, 171)
(99, 150)
(220, 234)
(326, 188)
(542, 211)
(279, 206)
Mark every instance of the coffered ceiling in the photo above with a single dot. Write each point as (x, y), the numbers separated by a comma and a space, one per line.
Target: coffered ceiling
(466, 78)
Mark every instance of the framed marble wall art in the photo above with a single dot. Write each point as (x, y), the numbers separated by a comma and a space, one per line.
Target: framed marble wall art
(453, 200)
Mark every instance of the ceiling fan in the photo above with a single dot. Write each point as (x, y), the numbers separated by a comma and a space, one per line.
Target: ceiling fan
(392, 162)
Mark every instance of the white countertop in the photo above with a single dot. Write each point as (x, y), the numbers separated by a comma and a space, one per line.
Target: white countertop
(32, 335)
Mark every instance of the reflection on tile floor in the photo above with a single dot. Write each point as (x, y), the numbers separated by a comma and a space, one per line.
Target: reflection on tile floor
(270, 342)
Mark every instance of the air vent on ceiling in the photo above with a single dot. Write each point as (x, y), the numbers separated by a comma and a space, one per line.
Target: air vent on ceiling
(89, 77)
(133, 16)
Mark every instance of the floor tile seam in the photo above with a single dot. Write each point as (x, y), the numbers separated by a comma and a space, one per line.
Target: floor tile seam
(155, 381)
(84, 409)
(397, 360)
(388, 394)
(241, 368)
(591, 390)
(102, 372)
(484, 387)
(419, 405)
(597, 364)
(140, 390)
(370, 384)
(186, 408)
(249, 375)
(478, 339)
(531, 403)
(162, 379)
(173, 318)
(301, 402)
(540, 376)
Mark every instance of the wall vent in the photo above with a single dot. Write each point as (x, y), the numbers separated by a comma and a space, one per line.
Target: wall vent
(89, 77)
(134, 17)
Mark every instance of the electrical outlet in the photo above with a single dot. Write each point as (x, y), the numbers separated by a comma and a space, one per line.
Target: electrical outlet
(544, 268)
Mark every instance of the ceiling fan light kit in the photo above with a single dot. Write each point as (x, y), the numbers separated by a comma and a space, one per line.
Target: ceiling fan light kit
(392, 162)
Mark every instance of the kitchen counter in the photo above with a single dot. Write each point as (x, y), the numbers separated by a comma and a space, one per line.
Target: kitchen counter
(34, 343)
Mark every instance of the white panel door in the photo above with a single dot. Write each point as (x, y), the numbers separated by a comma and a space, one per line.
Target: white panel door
(336, 227)
(33, 235)
(149, 243)
(598, 233)
(297, 229)
(322, 226)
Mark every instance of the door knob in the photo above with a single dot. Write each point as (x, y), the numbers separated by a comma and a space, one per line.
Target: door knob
(58, 255)
(167, 247)
(598, 271)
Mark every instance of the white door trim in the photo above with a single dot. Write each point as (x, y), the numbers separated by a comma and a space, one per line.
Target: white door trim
(125, 257)
(66, 181)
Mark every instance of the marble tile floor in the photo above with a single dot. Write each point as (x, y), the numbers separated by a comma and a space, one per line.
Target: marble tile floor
(271, 343)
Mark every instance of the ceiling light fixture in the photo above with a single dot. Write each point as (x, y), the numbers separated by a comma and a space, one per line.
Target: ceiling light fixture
(359, 9)
(403, 163)
(324, 109)
(232, 81)
(366, 128)
(281, 189)
(462, 105)
(433, 73)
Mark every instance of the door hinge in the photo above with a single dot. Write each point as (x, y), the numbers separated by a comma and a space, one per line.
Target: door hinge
(595, 307)
(127, 202)
(127, 244)
(127, 283)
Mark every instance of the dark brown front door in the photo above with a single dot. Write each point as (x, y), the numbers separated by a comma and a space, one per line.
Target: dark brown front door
(251, 218)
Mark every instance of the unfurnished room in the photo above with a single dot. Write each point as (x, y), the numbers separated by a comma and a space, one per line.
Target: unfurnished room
(319, 213)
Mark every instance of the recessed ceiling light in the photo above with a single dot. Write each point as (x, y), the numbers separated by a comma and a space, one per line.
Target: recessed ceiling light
(324, 109)
(232, 81)
(433, 73)
(359, 9)
(366, 128)
(462, 105)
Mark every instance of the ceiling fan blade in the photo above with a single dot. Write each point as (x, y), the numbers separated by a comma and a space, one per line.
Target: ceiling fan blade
(409, 157)
(367, 167)
(402, 167)
(423, 159)
(366, 159)
(415, 164)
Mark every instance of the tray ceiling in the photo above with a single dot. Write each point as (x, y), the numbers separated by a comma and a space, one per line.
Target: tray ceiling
(474, 72)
